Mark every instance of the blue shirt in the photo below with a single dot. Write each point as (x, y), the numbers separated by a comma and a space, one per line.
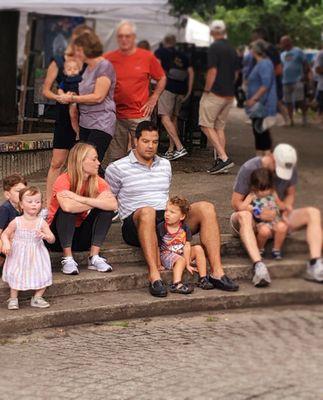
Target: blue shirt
(263, 75)
(293, 65)
(7, 214)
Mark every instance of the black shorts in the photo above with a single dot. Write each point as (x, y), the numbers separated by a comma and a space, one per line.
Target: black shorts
(129, 229)
(99, 139)
(64, 134)
(319, 99)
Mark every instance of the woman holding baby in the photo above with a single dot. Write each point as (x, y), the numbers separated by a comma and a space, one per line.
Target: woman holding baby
(95, 100)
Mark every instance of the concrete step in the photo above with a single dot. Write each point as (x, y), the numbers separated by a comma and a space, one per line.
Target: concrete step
(134, 276)
(116, 251)
(101, 307)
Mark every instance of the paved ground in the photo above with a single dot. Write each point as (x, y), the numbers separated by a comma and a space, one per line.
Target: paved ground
(272, 354)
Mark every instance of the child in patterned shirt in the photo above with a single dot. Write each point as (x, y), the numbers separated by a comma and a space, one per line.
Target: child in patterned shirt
(176, 252)
(264, 197)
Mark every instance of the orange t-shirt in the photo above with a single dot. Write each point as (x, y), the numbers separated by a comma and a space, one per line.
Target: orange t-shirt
(63, 183)
(133, 77)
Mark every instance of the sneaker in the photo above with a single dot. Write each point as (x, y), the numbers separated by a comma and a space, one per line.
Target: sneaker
(221, 166)
(69, 266)
(204, 283)
(115, 217)
(224, 283)
(276, 254)
(39, 302)
(261, 277)
(99, 264)
(179, 153)
(315, 272)
(13, 304)
(158, 289)
(168, 155)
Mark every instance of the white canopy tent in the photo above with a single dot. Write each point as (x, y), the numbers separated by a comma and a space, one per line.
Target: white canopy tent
(151, 17)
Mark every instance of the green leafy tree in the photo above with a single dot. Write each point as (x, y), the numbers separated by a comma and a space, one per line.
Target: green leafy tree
(301, 19)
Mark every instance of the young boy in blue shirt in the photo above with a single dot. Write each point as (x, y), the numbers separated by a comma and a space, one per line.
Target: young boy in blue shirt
(9, 210)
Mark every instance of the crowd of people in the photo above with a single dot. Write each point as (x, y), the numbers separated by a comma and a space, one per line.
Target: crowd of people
(104, 108)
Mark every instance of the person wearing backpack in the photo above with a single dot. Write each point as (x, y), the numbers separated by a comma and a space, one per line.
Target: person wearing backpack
(180, 77)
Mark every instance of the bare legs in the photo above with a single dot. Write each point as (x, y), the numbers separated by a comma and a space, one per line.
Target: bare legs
(145, 221)
(197, 254)
(38, 293)
(58, 160)
(245, 225)
(308, 217)
(311, 218)
(279, 231)
(171, 129)
(217, 139)
(202, 218)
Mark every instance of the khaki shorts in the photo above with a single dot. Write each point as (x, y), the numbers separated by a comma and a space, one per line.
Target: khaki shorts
(235, 226)
(170, 103)
(294, 93)
(119, 145)
(214, 110)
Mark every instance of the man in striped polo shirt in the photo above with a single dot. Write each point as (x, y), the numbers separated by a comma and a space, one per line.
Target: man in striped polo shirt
(141, 182)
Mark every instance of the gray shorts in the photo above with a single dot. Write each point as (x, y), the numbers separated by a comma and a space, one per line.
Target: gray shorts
(294, 93)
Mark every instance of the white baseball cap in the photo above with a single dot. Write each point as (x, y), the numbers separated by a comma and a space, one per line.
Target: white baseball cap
(285, 158)
(218, 25)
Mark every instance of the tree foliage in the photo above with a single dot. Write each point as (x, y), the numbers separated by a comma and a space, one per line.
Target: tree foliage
(301, 19)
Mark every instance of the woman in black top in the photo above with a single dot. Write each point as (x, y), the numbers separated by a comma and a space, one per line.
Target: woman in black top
(64, 134)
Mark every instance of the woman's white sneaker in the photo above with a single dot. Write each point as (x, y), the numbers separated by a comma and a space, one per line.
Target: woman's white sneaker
(97, 263)
(69, 266)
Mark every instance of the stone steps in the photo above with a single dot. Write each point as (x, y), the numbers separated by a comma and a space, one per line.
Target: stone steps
(116, 251)
(125, 304)
(134, 276)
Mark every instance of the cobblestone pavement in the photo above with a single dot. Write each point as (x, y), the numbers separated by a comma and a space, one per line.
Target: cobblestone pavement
(270, 354)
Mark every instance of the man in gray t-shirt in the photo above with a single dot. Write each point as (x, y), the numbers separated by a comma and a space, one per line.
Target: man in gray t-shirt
(283, 162)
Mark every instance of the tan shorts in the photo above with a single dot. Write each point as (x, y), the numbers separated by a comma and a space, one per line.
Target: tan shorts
(214, 110)
(170, 103)
(235, 226)
(119, 145)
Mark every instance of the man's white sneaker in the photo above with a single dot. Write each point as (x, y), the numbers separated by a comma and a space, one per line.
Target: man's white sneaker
(97, 263)
(13, 304)
(69, 266)
(315, 272)
(178, 154)
(261, 277)
(39, 302)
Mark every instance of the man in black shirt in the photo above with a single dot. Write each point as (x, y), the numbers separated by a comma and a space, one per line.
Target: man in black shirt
(218, 95)
(180, 76)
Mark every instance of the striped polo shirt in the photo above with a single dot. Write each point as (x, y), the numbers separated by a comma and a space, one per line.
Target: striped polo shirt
(136, 185)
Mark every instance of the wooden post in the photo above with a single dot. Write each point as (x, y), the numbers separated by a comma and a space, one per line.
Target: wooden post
(24, 76)
(9, 22)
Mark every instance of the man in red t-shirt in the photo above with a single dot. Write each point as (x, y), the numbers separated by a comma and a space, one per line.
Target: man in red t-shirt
(134, 69)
